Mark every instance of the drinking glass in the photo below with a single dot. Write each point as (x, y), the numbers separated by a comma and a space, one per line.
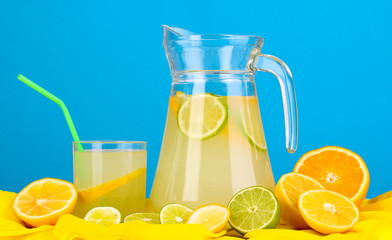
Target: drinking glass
(110, 173)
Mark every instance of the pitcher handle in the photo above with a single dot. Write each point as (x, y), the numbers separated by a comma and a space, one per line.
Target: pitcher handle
(272, 64)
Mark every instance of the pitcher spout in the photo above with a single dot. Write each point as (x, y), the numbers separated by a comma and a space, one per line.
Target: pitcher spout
(187, 51)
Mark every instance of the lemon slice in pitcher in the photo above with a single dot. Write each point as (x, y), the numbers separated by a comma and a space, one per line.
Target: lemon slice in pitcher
(202, 116)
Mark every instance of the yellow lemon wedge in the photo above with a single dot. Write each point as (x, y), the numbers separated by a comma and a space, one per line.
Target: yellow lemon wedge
(213, 216)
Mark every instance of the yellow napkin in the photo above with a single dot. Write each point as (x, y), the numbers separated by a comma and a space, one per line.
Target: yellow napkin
(375, 224)
(71, 227)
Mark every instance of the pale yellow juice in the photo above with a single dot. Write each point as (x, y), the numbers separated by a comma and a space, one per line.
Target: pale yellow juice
(196, 172)
(115, 178)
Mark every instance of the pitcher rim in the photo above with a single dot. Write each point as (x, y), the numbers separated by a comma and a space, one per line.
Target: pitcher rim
(212, 37)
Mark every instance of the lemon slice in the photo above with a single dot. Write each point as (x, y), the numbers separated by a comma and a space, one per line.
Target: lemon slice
(213, 216)
(254, 208)
(202, 116)
(174, 214)
(145, 217)
(105, 216)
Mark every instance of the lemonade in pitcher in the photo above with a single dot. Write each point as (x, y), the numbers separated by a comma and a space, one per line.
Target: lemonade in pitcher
(110, 174)
(231, 130)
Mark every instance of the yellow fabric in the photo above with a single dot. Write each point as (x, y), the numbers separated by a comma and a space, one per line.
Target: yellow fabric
(6, 202)
(375, 224)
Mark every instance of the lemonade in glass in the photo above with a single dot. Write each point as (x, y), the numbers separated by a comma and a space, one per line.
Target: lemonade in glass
(110, 173)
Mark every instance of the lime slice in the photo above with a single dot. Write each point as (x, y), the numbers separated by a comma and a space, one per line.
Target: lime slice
(174, 214)
(253, 129)
(105, 216)
(202, 116)
(145, 217)
(253, 208)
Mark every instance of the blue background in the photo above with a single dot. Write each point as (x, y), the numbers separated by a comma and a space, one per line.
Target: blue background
(106, 61)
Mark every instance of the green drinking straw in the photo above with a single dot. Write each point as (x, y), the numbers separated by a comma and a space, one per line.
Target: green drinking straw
(60, 103)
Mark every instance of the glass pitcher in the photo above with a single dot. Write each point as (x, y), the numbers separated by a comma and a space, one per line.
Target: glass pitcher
(214, 143)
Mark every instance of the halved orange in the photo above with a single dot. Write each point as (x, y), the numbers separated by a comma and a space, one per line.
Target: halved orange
(213, 216)
(45, 201)
(290, 186)
(337, 169)
(328, 212)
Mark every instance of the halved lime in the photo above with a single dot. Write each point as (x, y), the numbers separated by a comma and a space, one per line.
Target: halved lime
(105, 216)
(253, 129)
(253, 208)
(202, 116)
(174, 214)
(145, 217)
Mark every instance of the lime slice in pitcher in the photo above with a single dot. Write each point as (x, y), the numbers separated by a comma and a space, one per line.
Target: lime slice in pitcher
(145, 217)
(254, 129)
(202, 116)
(174, 214)
(253, 208)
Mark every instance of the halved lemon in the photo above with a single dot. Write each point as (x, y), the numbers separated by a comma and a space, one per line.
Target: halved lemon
(105, 216)
(328, 212)
(337, 169)
(213, 216)
(290, 186)
(45, 201)
(202, 116)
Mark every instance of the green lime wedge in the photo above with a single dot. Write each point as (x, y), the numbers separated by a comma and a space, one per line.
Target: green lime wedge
(202, 116)
(253, 129)
(145, 217)
(253, 208)
(174, 214)
(105, 216)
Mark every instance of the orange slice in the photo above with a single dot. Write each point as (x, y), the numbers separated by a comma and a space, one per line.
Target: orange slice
(96, 192)
(328, 212)
(290, 186)
(45, 201)
(213, 216)
(337, 169)
(176, 101)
